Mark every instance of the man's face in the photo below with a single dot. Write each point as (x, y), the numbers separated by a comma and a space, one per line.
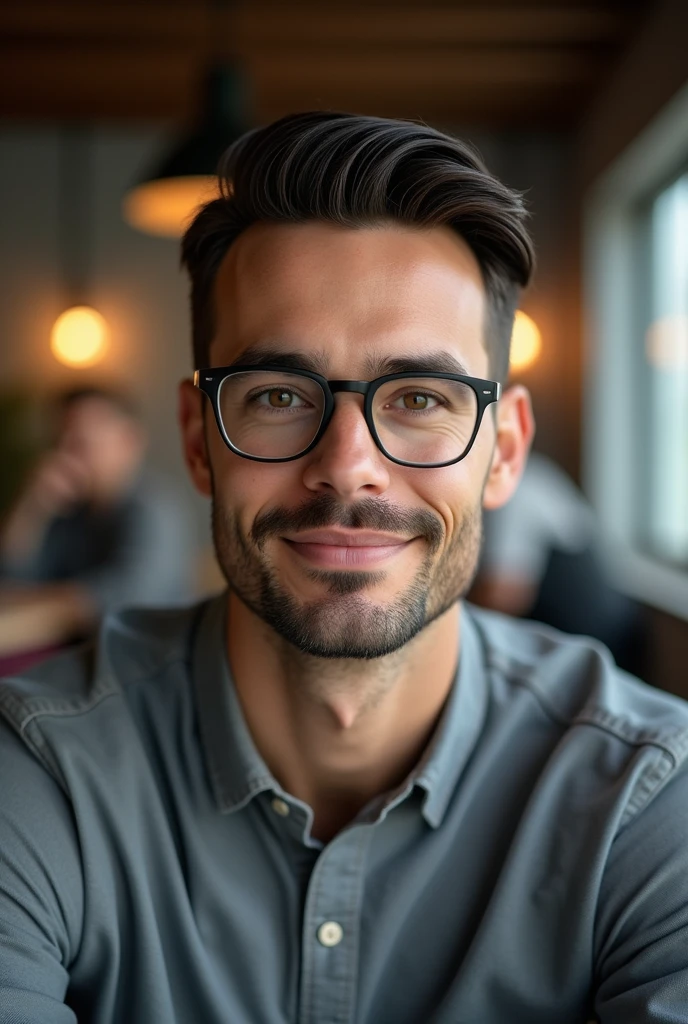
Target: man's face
(342, 552)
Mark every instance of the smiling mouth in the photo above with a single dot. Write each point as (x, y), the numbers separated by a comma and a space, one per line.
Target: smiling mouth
(346, 550)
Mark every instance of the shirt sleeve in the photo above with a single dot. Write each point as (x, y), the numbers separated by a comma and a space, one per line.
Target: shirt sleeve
(41, 890)
(642, 927)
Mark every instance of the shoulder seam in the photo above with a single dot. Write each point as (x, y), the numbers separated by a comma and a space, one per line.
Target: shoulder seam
(35, 705)
(65, 712)
(674, 746)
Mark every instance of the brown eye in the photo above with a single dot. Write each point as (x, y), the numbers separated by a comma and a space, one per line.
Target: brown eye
(416, 401)
(280, 399)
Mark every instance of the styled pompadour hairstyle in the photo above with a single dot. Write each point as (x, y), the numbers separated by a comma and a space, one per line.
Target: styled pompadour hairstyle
(356, 172)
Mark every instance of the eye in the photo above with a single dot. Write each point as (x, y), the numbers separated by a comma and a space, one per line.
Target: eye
(416, 400)
(281, 398)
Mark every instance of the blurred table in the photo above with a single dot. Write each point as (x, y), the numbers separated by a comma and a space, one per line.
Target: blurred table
(33, 622)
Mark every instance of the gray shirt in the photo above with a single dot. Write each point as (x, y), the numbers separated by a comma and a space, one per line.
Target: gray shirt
(533, 868)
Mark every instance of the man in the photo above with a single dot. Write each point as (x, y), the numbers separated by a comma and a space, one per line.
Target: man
(336, 794)
(91, 530)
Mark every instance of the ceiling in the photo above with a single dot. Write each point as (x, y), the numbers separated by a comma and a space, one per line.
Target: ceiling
(496, 63)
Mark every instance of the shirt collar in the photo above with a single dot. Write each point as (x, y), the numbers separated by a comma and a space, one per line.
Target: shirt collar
(236, 769)
(459, 727)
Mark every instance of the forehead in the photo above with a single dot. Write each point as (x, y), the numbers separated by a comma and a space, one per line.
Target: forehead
(347, 293)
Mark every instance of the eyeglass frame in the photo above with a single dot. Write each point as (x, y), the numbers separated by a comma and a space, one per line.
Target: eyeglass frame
(209, 381)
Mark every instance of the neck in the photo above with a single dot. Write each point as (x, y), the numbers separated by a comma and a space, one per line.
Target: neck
(337, 733)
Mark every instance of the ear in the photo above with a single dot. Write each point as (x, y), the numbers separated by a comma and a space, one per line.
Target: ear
(192, 426)
(515, 430)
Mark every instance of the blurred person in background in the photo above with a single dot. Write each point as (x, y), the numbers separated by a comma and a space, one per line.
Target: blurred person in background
(544, 558)
(93, 528)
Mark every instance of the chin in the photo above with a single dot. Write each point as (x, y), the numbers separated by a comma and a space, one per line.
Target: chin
(342, 583)
(346, 622)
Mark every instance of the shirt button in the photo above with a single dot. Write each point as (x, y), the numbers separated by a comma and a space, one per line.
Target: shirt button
(280, 807)
(330, 933)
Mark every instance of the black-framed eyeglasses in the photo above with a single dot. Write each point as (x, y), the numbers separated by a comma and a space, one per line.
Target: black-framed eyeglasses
(273, 414)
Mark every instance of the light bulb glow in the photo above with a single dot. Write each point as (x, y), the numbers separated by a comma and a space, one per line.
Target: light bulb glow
(165, 207)
(666, 343)
(79, 337)
(526, 342)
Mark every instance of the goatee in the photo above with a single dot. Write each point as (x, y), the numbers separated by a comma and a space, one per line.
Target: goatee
(346, 622)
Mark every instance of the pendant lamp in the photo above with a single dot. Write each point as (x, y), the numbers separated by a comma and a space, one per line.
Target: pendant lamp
(79, 336)
(167, 197)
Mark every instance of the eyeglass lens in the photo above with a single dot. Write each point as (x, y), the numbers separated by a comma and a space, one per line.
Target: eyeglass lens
(277, 415)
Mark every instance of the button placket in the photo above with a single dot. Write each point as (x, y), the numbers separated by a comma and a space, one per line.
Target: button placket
(280, 807)
(331, 928)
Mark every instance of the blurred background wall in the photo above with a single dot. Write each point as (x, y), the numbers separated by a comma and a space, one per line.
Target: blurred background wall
(550, 92)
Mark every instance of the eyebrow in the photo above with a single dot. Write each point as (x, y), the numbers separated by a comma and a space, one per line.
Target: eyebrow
(259, 355)
(438, 361)
(432, 362)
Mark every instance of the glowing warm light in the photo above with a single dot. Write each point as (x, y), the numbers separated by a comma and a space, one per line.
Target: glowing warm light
(79, 337)
(666, 343)
(526, 342)
(166, 206)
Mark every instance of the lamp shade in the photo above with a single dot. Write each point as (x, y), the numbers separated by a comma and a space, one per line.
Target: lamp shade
(165, 199)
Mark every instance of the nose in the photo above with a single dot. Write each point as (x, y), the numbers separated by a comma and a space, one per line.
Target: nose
(346, 460)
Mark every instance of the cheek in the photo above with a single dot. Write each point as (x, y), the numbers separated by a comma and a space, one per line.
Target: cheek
(451, 493)
(454, 494)
(248, 488)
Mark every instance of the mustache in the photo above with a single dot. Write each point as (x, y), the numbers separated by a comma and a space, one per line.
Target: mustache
(366, 514)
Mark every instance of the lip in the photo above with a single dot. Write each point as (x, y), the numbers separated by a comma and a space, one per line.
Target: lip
(348, 538)
(346, 549)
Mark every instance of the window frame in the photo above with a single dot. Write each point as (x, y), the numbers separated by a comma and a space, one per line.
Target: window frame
(613, 223)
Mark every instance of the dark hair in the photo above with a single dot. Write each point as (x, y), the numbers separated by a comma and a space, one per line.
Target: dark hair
(358, 171)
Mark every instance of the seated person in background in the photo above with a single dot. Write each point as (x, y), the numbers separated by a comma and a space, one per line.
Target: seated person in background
(93, 529)
(542, 559)
(337, 793)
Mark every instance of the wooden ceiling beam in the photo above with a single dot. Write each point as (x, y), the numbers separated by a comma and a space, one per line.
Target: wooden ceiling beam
(143, 86)
(406, 70)
(74, 21)
(257, 24)
(74, 84)
(270, 24)
(500, 61)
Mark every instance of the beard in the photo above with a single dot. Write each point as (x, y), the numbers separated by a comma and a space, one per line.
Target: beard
(345, 622)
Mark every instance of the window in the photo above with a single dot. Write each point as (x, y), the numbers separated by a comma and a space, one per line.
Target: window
(636, 394)
(664, 529)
